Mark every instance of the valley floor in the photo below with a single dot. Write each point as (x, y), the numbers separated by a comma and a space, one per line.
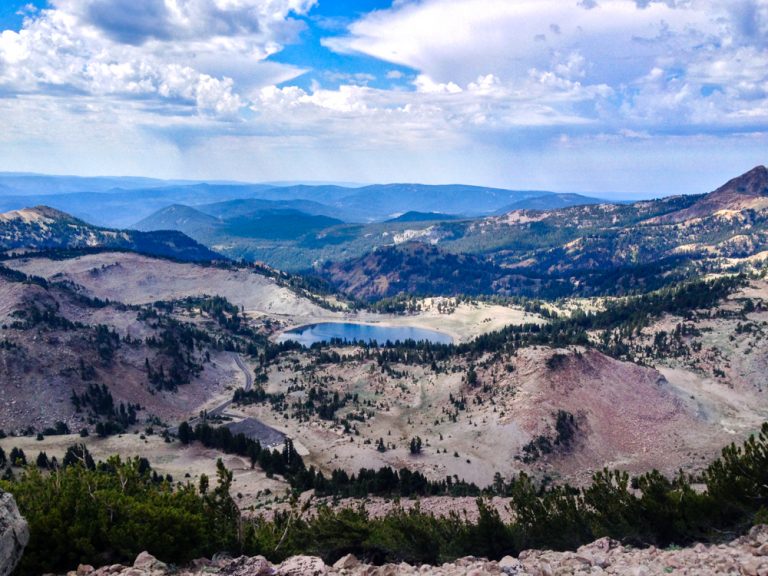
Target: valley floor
(684, 387)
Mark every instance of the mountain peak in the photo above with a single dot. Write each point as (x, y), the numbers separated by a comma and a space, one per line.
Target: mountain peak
(37, 214)
(752, 183)
(52, 213)
(748, 191)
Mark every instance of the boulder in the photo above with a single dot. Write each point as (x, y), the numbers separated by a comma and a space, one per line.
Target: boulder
(511, 565)
(346, 562)
(302, 566)
(14, 534)
(758, 535)
(148, 563)
(245, 566)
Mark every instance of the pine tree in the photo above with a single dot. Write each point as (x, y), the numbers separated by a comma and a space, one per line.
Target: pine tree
(185, 432)
(42, 461)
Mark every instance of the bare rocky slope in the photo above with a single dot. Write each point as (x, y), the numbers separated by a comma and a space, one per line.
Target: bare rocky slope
(747, 556)
(624, 415)
(132, 278)
(55, 345)
(90, 320)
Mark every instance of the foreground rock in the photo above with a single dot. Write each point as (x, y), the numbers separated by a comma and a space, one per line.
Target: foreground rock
(14, 534)
(747, 556)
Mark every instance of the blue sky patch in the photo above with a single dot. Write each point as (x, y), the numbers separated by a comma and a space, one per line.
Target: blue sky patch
(12, 12)
(329, 69)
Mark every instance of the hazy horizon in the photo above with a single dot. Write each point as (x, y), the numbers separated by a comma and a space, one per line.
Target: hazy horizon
(612, 195)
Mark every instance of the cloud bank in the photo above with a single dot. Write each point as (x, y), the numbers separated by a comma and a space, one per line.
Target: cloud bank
(515, 88)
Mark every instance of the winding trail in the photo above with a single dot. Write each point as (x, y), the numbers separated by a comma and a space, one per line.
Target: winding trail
(219, 410)
(246, 372)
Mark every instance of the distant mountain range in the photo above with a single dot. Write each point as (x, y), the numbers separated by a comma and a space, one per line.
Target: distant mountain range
(29, 184)
(430, 241)
(121, 207)
(122, 202)
(551, 202)
(559, 244)
(291, 232)
(385, 201)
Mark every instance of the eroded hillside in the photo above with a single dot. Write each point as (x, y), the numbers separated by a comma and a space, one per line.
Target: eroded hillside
(85, 339)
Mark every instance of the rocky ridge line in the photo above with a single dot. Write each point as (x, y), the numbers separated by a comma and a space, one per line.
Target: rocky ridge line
(747, 556)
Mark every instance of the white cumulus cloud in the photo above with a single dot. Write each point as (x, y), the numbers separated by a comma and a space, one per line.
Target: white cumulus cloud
(684, 62)
(475, 88)
(200, 53)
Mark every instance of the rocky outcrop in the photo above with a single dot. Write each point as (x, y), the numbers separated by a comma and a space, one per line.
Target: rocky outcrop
(746, 556)
(14, 534)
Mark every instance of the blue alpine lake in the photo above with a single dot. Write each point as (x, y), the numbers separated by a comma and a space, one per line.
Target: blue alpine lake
(351, 332)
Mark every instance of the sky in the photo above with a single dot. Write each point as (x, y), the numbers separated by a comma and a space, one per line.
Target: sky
(621, 98)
